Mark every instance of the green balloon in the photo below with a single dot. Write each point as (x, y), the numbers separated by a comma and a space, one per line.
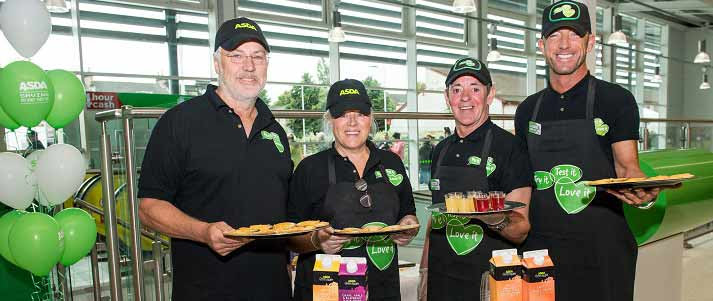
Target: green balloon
(80, 234)
(7, 122)
(6, 222)
(36, 243)
(26, 94)
(69, 98)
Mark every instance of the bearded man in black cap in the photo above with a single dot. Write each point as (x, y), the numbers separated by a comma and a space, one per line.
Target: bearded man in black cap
(581, 128)
(479, 156)
(217, 162)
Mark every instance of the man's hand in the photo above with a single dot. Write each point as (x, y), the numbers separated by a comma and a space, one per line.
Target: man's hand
(222, 245)
(635, 197)
(330, 243)
(404, 238)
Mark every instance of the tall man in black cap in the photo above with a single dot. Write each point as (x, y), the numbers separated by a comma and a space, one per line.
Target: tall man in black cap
(581, 128)
(479, 156)
(216, 162)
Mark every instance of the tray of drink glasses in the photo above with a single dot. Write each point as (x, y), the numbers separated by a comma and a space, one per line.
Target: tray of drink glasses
(475, 202)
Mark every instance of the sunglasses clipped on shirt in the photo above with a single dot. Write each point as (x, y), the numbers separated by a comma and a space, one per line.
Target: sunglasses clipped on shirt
(365, 199)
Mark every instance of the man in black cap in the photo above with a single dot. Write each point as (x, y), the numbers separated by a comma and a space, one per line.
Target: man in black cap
(217, 162)
(581, 128)
(479, 156)
(352, 184)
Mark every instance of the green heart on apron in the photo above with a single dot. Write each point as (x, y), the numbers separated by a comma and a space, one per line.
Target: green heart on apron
(354, 243)
(375, 237)
(473, 160)
(574, 197)
(275, 139)
(455, 220)
(600, 127)
(566, 172)
(544, 180)
(489, 165)
(464, 239)
(381, 253)
(438, 220)
(394, 177)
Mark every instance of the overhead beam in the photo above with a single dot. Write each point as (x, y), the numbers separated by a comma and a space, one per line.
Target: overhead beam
(669, 5)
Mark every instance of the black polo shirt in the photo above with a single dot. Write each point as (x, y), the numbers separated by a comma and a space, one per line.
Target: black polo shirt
(615, 105)
(310, 182)
(200, 160)
(512, 163)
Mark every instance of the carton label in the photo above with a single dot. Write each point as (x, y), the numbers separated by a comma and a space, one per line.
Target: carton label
(325, 285)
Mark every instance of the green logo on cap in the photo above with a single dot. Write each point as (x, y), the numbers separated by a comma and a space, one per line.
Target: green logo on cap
(467, 64)
(564, 11)
(245, 25)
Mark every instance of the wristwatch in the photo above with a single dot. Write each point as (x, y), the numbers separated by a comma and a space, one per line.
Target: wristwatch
(501, 225)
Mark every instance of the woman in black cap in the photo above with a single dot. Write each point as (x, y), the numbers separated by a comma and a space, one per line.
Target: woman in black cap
(350, 185)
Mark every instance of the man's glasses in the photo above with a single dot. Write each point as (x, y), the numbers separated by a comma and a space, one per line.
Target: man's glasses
(256, 59)
(364, 200)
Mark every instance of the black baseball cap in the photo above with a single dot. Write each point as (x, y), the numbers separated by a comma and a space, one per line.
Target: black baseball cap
(469, 66)
(569, 14)
(345, 95)
(233, 33)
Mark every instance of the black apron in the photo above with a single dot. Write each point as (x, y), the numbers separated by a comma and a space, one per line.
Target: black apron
(452, 276)
(591, 245)
(341, 209)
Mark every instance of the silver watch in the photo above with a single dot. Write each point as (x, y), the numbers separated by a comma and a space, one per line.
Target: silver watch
(501, 225)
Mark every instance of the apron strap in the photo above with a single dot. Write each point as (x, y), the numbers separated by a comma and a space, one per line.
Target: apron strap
(537, 106)
(442, 154)
(590, 97)
(383, 173)
(330, 167)
(484, 156)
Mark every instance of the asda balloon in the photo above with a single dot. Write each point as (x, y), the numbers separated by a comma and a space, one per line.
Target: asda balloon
(60, 171)
(36, 243)
(7, 221)
(33, 158)
(7, 122)
(17, 182)
(69, 98)
(80, 233)
(26, 25)
(26, 94)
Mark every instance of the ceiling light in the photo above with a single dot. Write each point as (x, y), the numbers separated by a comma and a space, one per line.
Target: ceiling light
(704, 84)
(56, 6)
(336, 34)
(463, 6)
(702, 57)
(617, 37)
(494, 54)
(657, 76)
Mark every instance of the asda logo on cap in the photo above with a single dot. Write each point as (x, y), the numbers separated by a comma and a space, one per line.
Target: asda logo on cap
(245, 25)
(564, 11)
(469, 64)
(348, 92)
(27, 86)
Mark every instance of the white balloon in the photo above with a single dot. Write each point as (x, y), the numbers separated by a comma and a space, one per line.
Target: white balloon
(60, 171)
(26, 24)
(17, 182)
(33, 157)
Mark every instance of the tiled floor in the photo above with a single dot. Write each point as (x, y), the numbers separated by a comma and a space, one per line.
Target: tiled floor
(698, 270)
(697, 273)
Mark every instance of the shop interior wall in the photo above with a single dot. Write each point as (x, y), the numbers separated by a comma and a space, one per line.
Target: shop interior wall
(697, 103)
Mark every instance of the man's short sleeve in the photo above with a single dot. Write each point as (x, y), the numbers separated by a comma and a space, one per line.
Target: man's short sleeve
(518, 173)
(625, 117)
(162, 168)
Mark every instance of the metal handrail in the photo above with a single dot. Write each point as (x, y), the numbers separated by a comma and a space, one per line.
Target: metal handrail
(139, 113)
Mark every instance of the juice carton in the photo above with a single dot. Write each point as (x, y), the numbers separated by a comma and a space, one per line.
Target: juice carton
(352, 279)
(505, 276)
(538, 276)
(325, 285)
